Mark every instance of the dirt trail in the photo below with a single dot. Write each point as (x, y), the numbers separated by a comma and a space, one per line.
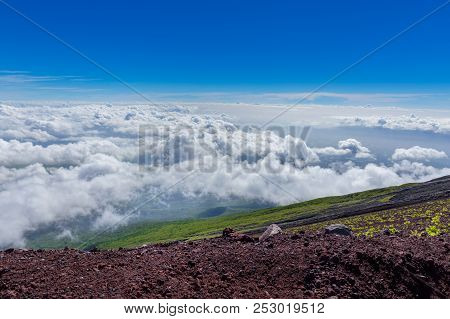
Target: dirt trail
(299, 266)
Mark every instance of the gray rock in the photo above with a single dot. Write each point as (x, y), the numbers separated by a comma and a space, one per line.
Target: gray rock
(338, 229)
(270, 231)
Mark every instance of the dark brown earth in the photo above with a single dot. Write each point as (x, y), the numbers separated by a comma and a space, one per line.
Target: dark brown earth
(299, 266)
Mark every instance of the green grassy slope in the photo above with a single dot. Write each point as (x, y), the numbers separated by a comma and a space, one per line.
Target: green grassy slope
(136, 235)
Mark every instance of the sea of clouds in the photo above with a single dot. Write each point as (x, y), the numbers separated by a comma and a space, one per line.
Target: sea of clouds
(59, 163)
(404, 122)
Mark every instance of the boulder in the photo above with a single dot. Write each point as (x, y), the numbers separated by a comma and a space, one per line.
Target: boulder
(272, 230)
(338, 229)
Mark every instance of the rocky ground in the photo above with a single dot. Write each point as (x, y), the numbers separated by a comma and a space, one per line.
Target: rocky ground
(312, 265)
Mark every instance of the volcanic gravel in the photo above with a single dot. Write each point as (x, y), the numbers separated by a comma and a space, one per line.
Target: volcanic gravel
(298, 266)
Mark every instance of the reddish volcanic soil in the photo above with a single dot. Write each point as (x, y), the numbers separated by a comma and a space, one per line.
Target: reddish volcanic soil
(299, 266)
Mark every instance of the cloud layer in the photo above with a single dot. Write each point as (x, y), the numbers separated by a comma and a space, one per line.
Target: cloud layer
(65, 162)
(418, 153)
(411, 122)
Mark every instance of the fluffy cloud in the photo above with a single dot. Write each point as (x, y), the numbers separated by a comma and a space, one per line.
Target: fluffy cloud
(355, 147)
(345, 147)
(418, 153)
(331, 151)
(20, 154)
(35, 196)
(411, 122)
(62, 163)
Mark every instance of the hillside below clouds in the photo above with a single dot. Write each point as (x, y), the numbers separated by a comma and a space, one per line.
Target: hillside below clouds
(400, 248)
(411, 209)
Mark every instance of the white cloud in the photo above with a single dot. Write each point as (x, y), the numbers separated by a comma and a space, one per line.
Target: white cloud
(356, 148)
(65, 162)
(346, 147)
(411, 122)
(331, 151)
(335, 115)
(34, 196)
(418, 153)
(66, 234)
(19, 154)
(20, 77)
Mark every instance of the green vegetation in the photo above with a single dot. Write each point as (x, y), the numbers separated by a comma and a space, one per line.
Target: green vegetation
(189, 229)
(431, 218)
(425, 219)
(432, 230)
(386, 199)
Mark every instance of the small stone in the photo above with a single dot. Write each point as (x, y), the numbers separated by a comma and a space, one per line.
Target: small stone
(338, 229)
(271, 231)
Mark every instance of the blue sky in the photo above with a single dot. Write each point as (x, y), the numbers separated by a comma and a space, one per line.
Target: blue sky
(165, 46)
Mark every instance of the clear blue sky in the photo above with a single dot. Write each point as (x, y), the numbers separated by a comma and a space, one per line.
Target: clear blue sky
(267, 45)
